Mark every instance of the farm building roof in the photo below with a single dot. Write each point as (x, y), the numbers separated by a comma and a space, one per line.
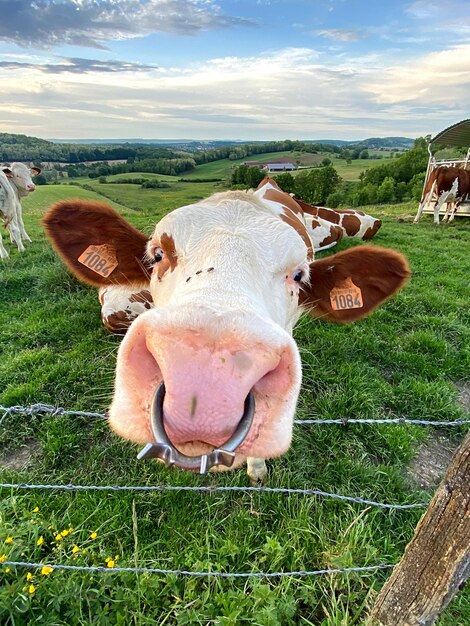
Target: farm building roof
(455, 135)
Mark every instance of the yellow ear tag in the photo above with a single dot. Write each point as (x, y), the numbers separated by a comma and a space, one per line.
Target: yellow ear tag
(346, 295)
(100, 259)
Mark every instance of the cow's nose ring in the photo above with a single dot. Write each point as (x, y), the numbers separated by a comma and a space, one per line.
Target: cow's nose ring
(164, 450)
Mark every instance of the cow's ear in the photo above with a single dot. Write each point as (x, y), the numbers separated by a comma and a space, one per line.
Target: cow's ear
(349, 285)
(35, 171)
(7, 171)
(97, 244)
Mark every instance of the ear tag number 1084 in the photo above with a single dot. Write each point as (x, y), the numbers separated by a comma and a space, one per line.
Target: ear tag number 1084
(346, 296)
(100, 259)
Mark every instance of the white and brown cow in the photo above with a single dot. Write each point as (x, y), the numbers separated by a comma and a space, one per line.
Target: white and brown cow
(15, 183)
(229, 277)
(449, 185)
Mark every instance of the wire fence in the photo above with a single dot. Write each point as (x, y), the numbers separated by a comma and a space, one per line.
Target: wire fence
(41, 408)
(54, 411)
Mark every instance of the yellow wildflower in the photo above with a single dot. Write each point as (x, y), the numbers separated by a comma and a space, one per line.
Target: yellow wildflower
(46, 570)
(58, 537)
(9, 540)
(65, 532)
(7, 570)
(29, 576)
(93, 535)
(70, 530)
(75, 549)
(40, 541)
(32, 589)
(110, 563)
(36, 509)
(3, 558)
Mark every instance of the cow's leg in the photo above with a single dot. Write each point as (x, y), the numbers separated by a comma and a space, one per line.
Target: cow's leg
(15, 235)
(19, 212)
(424, 201)
(437, 207)
(3, 252)
(256, 469)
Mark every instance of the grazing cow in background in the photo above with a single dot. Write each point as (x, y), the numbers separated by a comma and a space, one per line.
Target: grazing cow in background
(229, 277)
(8, 214)
(353, 224)
(323, 233)
(19, 177)
(449, 185)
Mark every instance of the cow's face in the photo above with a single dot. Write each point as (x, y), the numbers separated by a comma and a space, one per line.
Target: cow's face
(21, 176)
(226, 276)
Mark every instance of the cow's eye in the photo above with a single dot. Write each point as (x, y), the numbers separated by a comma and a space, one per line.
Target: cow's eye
(158, 255)
(298, 275)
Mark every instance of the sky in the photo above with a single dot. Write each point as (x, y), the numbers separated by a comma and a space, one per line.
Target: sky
(233, 69)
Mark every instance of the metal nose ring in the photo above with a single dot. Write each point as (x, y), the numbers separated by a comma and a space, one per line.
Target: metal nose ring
(164, 450)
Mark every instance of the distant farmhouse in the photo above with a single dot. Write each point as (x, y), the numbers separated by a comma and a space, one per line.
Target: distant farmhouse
(283, 166)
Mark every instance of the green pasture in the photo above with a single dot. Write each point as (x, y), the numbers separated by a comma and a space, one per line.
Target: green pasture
(403, 361)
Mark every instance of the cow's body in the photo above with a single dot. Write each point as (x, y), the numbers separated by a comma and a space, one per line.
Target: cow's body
(353, 224)
(449, 185)
(229, 277)
(15, 183)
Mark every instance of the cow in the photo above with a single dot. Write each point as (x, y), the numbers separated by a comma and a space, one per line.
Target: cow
(8, 214)
(210, 374)
(323, 233)
(449, 185)
(18, 177)
(353, 224)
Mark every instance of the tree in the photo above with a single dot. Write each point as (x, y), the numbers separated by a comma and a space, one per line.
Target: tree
(286, 182)
(40, 179)
(386, 191)
(253, 177)
(364, 154)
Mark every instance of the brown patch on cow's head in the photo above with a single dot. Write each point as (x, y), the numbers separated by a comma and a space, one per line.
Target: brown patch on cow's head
(35, 171)
(266, 181)
(297, 224)
(74, 225)
(283, 198)
(170, 258)
(370, 232)
(377, 272)
(351, 224)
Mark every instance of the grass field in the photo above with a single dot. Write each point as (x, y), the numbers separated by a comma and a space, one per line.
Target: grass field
(405, 360)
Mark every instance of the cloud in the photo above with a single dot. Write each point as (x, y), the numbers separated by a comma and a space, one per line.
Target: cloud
(77, 65)
(91, 23)
(292, 92)
(338, 34)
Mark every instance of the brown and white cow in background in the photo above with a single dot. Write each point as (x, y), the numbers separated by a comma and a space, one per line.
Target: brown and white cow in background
(449, 185)
(15, 183)
(229, 277)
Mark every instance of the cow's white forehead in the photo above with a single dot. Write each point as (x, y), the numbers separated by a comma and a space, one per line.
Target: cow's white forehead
(234, 213)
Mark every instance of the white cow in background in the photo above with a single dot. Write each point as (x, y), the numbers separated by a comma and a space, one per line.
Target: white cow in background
(15, 183)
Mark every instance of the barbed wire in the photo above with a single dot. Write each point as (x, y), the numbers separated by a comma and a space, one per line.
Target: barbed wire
(182, 572)
(40, 407)
(218, 489)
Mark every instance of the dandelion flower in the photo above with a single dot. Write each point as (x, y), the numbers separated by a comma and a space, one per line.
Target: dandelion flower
(93, 535)
(59, 537)
(31, 589)
(36, 509)
(3, 558)
(46, 570)
(110, 563)
(9, 540)
(40, 541)
(7, 570)
(75, 549)
(29, 576)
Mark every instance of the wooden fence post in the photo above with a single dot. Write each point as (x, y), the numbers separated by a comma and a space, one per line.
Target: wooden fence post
(437, 560)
